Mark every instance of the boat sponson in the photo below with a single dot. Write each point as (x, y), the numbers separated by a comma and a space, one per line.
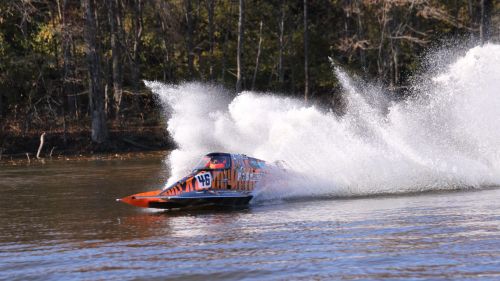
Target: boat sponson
(187, 202)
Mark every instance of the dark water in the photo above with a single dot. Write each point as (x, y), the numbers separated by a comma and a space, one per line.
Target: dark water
(59, 221)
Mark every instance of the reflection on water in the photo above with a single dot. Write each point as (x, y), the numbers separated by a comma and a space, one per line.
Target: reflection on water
(60, 221)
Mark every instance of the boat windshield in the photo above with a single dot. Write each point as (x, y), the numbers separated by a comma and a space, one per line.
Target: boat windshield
(214, 162)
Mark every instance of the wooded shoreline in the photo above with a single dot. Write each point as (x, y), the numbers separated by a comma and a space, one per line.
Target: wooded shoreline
(78, 142)
(74, 68)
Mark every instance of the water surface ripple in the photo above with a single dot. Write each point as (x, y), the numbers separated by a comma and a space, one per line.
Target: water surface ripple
(59, 221)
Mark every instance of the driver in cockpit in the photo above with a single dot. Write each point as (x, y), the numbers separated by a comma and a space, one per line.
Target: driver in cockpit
(217, 163)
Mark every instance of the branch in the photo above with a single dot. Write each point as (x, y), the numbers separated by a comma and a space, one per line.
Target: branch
(41, 145)
(411, 39)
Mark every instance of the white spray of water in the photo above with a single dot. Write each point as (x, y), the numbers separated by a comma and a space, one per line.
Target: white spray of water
(447, 138)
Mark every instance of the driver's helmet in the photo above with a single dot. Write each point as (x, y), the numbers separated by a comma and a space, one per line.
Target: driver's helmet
(217, 163)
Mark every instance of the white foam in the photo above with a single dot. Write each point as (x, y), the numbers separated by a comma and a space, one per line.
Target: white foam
(448, 137)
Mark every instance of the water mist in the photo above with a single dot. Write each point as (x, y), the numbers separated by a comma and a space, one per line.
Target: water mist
(446, 136)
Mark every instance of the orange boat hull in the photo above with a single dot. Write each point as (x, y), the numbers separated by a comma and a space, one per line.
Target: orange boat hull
(136, 200)
(222, 179)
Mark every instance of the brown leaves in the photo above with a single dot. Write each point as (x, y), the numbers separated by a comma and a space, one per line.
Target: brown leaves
(352, 44)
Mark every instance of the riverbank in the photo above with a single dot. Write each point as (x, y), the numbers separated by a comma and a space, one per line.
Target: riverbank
(78, 143)
(99, 157)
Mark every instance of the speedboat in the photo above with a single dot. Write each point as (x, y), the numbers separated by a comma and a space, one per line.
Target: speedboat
(218, 180)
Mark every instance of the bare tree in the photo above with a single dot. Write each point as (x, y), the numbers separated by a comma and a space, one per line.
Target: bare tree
(210, 8)
(136, 44)
(96, 96)
(167, 69)
(169, 24)
(306, 55)
(226, 40)
(383, 24)
(67, 69)
(189, 36)
(281, 73)
(114, 16)
(257, 57)
(359, 33)
(484, 27)
(240, 46)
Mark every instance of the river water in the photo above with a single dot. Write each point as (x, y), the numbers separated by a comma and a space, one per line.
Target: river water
(59, 221)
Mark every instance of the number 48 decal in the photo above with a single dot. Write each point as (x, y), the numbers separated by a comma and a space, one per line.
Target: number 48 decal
(204, 180)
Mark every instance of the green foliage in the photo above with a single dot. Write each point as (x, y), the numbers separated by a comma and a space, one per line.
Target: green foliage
(42, 51)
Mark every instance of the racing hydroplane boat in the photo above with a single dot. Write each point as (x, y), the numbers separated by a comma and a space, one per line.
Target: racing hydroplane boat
(219, 180)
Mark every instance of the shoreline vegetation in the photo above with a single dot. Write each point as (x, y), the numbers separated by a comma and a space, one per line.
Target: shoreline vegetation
(73, 70)
(48, 137)
(104, 156)
(76, 141)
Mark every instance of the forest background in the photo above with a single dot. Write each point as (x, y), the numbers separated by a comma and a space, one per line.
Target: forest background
(74, 69)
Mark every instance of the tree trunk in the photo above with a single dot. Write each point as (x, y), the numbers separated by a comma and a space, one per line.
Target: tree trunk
(167, 70)
(456, 11)
(189, 37)
(257, 58)
(360, 33)
(224, 56)
(163, 15)
(473, 15)
(137, 27)
(96, 96)
(116, 66)
(211, 7)
(306, 55)
(380, 60)
(40, 147)
(240, 46)
(67, 89)
(225, 43)
(281, 73)
(484, 27)
(74, 100)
